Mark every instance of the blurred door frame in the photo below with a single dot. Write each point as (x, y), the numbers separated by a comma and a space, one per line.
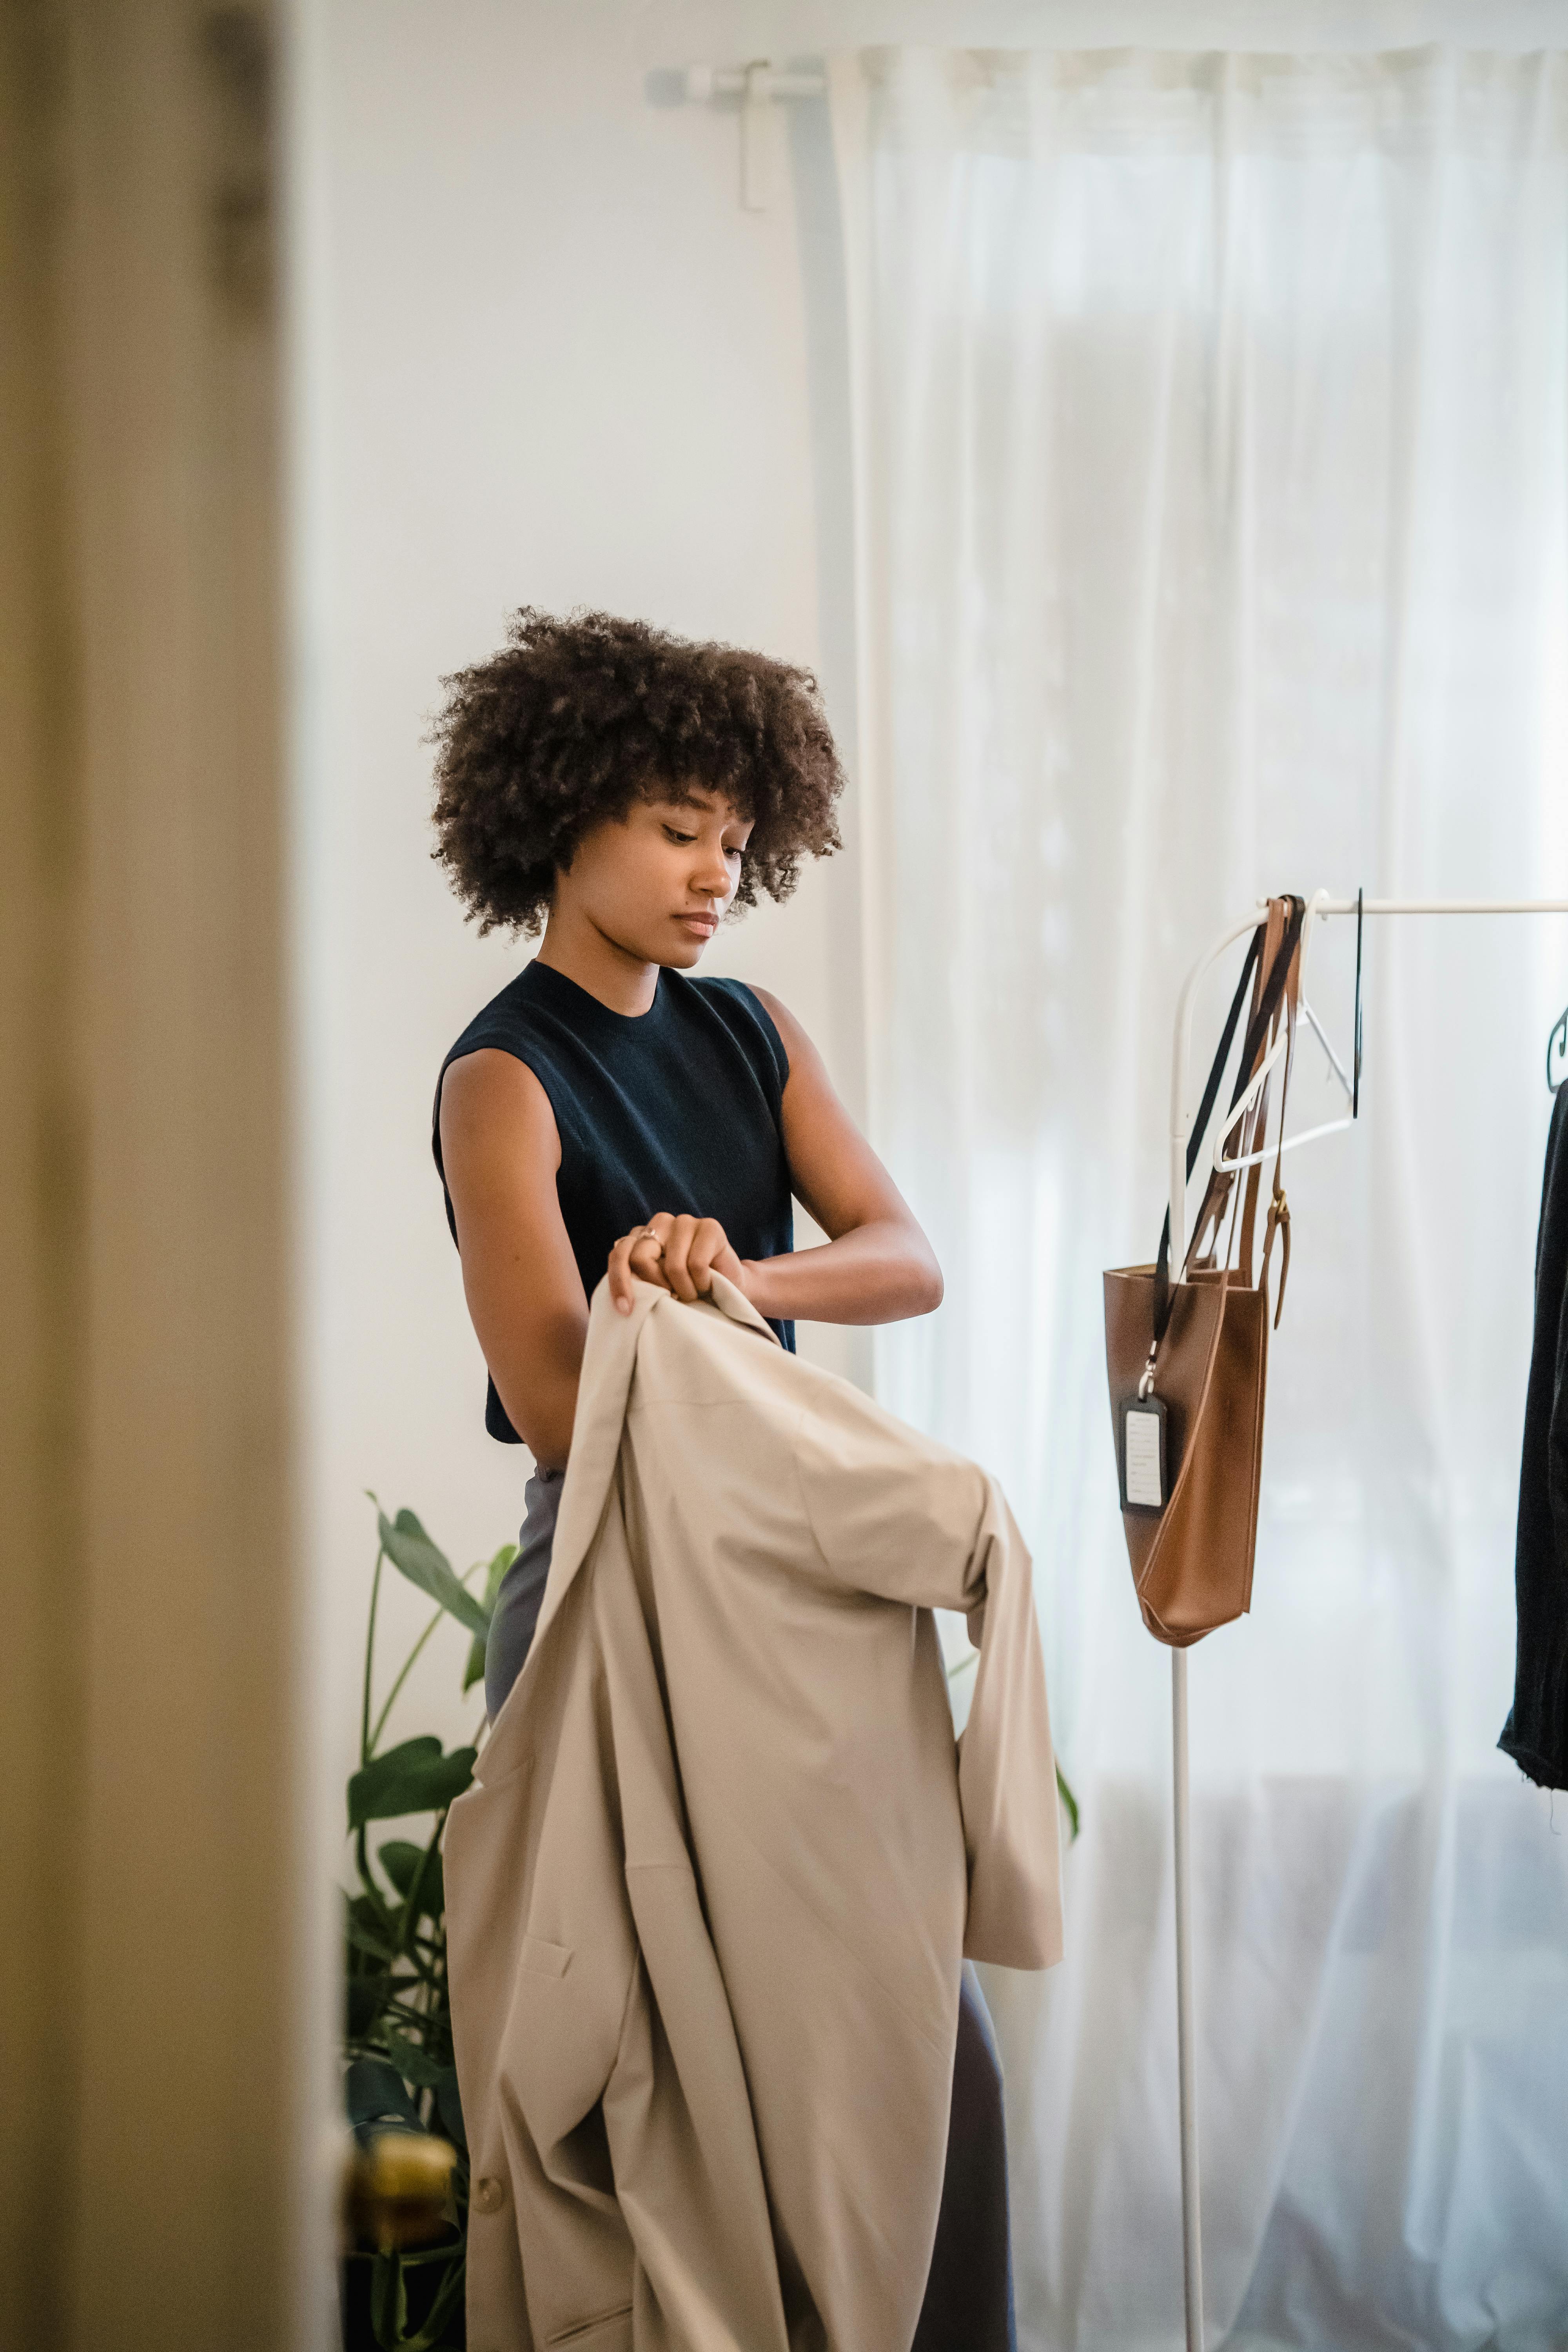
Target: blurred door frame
(161, 2026)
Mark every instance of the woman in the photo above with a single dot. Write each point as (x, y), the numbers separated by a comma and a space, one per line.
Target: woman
(605, 1115)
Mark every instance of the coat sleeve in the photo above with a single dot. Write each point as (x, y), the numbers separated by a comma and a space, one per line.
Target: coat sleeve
(896, 1517)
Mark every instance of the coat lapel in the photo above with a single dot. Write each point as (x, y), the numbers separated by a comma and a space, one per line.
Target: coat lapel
(609, 1361)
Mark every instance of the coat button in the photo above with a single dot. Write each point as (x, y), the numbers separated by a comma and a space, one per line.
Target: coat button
(489, 2195)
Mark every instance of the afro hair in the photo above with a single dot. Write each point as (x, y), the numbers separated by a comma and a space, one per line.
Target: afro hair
(575, 719)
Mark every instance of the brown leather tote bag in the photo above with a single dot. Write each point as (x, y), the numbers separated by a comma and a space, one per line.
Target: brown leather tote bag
(1190, 1358)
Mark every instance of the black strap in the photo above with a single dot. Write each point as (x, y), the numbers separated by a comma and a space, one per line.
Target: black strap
(1273, 990)
(1163, 1297)
(1256, 1034)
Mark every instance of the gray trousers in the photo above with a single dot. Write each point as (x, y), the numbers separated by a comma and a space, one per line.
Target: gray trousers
(968, 2304)
(516, 1613)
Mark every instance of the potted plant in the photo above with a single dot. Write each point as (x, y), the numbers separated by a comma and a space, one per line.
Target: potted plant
(398, 2072)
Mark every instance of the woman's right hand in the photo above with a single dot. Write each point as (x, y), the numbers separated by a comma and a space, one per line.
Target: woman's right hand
(679, 1254)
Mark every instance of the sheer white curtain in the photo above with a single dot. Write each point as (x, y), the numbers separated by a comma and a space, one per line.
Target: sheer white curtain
(1212, 538)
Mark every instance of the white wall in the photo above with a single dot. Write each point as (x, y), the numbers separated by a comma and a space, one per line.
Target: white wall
(546, 358)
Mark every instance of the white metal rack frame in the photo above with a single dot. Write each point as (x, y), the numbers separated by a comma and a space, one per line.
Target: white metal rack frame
(1319, 908)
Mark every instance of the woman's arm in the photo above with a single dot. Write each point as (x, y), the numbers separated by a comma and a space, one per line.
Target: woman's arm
(877, 1265)
(501, 1151)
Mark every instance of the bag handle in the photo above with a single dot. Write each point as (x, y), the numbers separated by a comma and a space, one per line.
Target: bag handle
(1281, 958)
(1278, 1206)
(1163, 1290)
(1267, 992)
(1255, 1125)
(1289, 968)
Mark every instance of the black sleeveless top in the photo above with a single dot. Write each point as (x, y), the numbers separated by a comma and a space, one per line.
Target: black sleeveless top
(677, 1107)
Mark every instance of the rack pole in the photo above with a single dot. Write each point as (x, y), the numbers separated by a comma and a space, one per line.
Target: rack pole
(1191, 2221)
(1186, 2066)
(1191, 2218)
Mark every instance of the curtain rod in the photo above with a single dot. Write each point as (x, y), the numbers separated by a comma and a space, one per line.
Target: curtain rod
(758, 87)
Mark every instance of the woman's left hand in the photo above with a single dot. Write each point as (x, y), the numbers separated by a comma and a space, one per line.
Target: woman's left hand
(681, 1253)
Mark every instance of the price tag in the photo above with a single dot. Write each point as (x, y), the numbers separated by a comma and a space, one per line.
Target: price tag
(1143, 1455)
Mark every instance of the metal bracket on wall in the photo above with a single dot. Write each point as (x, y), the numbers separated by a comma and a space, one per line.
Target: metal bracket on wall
(756, 85)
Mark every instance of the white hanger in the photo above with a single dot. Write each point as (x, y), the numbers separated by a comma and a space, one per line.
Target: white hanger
(1276, 1054)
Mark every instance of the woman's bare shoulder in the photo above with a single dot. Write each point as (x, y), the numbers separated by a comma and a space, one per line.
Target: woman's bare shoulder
(490, 1098)
(797, 1044)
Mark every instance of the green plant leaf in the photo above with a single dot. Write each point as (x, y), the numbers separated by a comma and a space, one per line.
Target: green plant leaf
(474, 1672)
(441, 2309)
(375, 2092)
(408, 1865)
(370, 1911)
(371, 1928)
(411, 1551)
(400, 1858)
(413, 1778)
(388, 2302)
(1064, 1790)
(449, 2108)
(366, 1998)
(412, 2062)
(371, 1947)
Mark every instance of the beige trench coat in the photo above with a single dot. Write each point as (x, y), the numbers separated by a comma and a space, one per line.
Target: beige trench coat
(708, 1896)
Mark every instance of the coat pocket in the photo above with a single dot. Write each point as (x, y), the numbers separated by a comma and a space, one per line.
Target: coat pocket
(539, 1958)
(611, 2332)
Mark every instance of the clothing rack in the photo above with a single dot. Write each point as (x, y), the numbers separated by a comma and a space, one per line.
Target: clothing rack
(1318, 907)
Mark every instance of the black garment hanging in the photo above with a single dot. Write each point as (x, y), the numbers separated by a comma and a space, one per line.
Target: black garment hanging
(1536, 1732)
